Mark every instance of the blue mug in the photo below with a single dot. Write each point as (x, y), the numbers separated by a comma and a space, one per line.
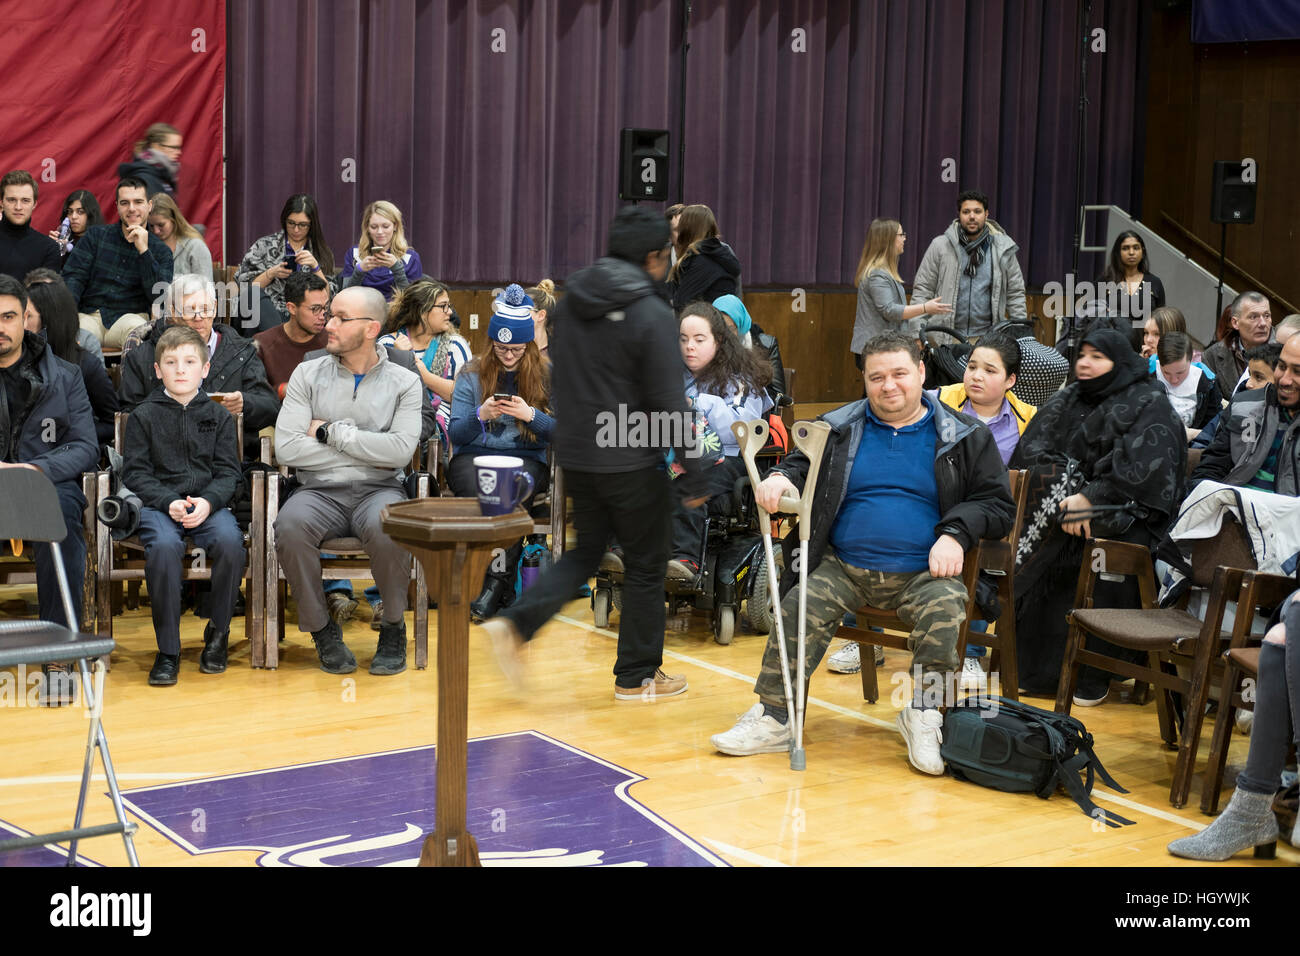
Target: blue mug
(503, 484)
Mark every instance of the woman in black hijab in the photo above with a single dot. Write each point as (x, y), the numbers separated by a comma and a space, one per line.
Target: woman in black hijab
(1108, 438)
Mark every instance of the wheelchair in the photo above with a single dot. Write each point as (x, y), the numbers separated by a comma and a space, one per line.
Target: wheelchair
(733, 574)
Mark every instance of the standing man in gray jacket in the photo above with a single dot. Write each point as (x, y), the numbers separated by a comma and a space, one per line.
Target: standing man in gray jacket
(973, 266)
(349, 425)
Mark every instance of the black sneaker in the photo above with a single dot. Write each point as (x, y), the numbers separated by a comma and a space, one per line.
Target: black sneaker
(165, 669)
(335, 658)
(390, 655)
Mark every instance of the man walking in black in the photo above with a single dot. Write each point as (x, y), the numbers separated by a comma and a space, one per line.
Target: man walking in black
(616, 360)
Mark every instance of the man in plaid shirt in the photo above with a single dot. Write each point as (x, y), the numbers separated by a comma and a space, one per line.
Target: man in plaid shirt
(115, 269)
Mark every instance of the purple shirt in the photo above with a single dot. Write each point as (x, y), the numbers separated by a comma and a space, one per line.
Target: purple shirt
(1005, 428)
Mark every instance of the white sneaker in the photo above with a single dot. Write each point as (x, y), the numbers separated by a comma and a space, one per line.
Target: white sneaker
(754, 733)
(923, 731)
(1245, 720)
(973, 677)
(847, 660)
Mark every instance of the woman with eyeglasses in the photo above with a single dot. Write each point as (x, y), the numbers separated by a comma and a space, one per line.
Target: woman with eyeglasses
(382, 259)
(501, 406)
(156, 160)
(298, 246)
(882, 303)
(420, 320)
(190, 255)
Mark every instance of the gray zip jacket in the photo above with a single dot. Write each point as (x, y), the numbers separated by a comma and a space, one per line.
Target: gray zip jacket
(374, 424)
(940, 271)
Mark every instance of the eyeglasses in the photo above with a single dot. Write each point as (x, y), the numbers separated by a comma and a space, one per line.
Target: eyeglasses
(510, 349)
(343, 318)
(317, 309)
(297, 224)
(445, 306)
(208, 313)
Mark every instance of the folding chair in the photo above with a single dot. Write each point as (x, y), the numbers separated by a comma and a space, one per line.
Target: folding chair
(29, 509)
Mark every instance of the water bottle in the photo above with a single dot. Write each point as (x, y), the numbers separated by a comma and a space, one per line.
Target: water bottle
(65, 230)
(530, 568)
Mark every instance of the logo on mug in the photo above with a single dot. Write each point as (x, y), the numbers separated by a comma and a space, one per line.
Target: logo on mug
(487, 481)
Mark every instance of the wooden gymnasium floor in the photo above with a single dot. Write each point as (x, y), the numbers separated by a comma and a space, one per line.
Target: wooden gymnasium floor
(858, 803)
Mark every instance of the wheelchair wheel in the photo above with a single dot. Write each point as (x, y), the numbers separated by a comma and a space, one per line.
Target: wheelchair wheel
(724, 624)
(600, 607)
(758, 608)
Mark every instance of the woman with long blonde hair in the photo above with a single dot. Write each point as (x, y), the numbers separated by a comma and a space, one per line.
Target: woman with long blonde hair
(882, 304)
(190, 255)
(544, 303)
(382, 259)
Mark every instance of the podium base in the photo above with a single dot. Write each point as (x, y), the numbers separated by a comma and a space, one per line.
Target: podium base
(458, 851)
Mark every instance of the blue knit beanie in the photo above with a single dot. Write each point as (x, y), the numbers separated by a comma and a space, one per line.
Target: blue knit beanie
(512, 317)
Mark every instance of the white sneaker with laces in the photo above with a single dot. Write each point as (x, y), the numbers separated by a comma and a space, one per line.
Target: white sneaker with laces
(923, 732)
(973, 677)
(754, 733)
(847, 660)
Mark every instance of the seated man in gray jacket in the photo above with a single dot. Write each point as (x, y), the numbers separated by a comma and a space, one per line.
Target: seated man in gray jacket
(349, 425)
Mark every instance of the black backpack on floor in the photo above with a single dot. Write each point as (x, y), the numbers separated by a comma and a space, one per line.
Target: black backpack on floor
(1016, 748)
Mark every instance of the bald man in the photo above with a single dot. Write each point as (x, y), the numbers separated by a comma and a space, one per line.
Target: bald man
(349, 425)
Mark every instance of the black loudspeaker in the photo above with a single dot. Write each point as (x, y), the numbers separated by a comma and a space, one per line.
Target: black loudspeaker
(643, 164)
(1233, 199)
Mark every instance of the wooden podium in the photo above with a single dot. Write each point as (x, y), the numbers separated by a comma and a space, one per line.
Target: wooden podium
(453, 543)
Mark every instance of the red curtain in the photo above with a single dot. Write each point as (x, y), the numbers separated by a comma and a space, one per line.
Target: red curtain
(82, 81)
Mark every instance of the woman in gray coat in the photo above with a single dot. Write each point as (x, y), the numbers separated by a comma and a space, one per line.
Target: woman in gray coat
(882, 304)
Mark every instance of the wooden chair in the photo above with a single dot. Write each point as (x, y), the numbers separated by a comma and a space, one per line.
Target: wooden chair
(1168, 636)
(123, 561)
(349, 560)
(996, 557)
(1241, 660)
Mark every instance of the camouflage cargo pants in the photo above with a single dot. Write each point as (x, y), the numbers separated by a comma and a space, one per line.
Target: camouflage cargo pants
(934, 608)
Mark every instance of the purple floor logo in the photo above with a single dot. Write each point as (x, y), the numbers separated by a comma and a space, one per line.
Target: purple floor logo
(533, 801)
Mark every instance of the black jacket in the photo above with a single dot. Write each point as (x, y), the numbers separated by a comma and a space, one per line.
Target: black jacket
(712, 271)
(104, 403)
(235, 367)
(156, 177)
(616, 355)
(58, 397)
(23, 249)
(974, 494)
(172, 450)
(767, 345)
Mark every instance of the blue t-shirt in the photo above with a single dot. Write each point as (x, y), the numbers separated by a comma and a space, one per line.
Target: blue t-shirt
(887, 519)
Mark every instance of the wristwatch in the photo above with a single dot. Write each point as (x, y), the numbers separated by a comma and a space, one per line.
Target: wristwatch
(323, 433)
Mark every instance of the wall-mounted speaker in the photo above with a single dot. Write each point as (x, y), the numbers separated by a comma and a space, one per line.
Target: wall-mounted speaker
(1233, 199)
(643, 164)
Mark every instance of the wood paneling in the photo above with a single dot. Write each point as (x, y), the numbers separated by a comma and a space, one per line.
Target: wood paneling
(1224, 101)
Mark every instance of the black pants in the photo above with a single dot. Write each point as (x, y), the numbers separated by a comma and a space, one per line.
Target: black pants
(463, 481)
(73, 550)
(688, 523)
(634, 507)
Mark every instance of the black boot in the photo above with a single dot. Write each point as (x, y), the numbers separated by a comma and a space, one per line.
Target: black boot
(390, 655)
(213, 658)
(165, 669)
(335, 658)
(489, 600)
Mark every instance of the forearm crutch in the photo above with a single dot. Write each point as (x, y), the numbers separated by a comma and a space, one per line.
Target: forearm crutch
(810, 438)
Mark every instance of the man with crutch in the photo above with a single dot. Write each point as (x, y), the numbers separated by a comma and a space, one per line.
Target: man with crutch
(905, 488)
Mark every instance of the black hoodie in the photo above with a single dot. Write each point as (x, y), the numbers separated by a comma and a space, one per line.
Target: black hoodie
(616, 355)
(172, 450)
(712, 271)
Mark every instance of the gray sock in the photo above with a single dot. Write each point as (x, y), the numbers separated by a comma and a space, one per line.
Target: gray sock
(779, 714)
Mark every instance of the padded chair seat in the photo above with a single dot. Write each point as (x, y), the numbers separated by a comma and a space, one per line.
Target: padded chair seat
(1246, 658)
(1140, 629)
(340, 545)
(42, 642)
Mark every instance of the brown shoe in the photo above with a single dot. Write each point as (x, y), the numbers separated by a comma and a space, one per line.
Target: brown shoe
(650, 690)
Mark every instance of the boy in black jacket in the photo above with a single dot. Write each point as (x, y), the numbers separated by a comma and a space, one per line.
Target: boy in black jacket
(182, 460)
